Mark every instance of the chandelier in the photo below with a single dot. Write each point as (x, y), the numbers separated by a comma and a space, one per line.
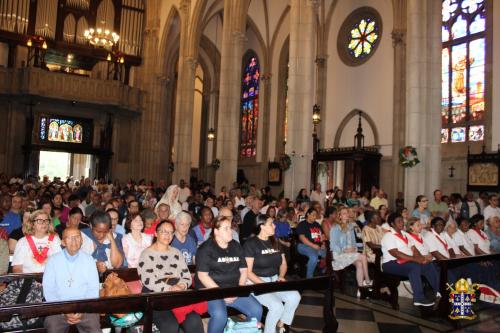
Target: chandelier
(101, 38)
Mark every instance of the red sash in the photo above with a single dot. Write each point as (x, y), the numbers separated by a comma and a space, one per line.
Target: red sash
(440, 240)
(480, 233)
(405, 240)
(417, 238)
(203, 230)
(39, 256)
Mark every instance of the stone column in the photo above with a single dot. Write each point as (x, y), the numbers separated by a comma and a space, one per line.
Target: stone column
(399, 114)
(181, 155)
(423, 96)
(301, 94)
(228, 120)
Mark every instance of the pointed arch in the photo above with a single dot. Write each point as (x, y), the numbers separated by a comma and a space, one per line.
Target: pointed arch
(345, 121)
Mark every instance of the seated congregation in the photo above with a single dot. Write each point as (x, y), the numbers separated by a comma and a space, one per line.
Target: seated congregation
(76, 232)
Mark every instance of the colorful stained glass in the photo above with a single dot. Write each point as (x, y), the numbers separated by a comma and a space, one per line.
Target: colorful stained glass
(64, 130)
(445, 83)
(458, 84)
(458, 134)
(363, 37)
(476, 133)
(249, 107)
(477, 52)
(464, 24)
(445, 133)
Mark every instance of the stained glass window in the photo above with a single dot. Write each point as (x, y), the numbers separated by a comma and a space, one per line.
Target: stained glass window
(463, 70)
(249, 107)
(364, 35)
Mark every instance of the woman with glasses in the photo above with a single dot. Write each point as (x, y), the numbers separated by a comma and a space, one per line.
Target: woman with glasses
(421, 211)
(39, 243)
(162, 268)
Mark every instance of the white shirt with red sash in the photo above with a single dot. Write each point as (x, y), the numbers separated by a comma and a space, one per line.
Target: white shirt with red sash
(417, 240)
(437, 243)
(481, 239)
(33, 257)
(393, 240)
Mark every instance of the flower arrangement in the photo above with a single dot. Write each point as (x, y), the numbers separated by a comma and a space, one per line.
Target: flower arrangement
(285, 162)
(408, 157)
(216, 163)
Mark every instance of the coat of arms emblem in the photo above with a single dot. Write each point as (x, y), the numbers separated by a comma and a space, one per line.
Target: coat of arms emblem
(461, 298)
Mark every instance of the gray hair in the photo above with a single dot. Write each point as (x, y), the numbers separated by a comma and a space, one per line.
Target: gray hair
(182, 216)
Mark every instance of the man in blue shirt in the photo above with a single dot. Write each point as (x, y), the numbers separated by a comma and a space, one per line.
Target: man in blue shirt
(12, 219)
(70, 275)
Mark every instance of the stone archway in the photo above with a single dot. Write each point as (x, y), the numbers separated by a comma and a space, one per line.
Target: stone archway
(345, 121)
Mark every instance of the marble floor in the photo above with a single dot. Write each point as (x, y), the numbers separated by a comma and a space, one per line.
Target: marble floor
(367, 316)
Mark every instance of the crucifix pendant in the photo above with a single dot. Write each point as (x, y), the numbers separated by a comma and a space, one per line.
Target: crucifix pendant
(70, 281)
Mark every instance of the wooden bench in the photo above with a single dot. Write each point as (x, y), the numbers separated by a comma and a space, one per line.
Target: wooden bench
(149, 302)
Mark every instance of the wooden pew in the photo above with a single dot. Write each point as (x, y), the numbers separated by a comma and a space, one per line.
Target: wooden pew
(165, 301)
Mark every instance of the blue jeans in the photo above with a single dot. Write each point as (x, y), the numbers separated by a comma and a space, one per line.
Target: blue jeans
(281, 305)
(414, 273)
(217, 309)
(313, 255)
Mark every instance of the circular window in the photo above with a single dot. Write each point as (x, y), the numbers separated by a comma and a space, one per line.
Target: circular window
(359, 36)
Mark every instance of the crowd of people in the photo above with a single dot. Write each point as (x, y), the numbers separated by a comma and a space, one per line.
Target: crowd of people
(73, 231)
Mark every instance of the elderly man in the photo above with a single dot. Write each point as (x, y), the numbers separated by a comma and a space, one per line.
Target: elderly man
(379, 200)
(492, 209)
(71, 275)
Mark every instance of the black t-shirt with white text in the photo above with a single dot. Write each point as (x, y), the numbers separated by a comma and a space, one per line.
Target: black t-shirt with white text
(222, 265)
(312, 231)
(266, 260)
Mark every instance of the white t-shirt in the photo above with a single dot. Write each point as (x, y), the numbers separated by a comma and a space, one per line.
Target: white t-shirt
(391, 241)
(434, 242)
(451, 242)
(481, 239)
(490, 211)
(419, 244)
(463, 239)
(24, 256)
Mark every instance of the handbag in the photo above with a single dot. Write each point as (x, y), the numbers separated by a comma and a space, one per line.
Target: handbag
(115, 286)
(21, 291)
(242, 326)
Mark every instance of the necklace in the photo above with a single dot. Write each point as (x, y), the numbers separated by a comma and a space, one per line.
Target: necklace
(68, 269)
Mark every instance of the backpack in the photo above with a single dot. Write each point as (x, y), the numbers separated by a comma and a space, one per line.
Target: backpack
(21, 291)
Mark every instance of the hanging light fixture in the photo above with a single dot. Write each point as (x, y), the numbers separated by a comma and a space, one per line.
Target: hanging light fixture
(316, 118)
(211, 134)
(101, 38)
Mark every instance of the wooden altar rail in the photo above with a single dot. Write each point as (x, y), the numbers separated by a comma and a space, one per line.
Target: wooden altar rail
(148, 302)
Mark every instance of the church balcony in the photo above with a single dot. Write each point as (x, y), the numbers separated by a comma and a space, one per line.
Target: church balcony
(38, 82)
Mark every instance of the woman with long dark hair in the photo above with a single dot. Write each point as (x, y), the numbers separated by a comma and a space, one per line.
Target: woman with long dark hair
(220, 263)
(266, 263)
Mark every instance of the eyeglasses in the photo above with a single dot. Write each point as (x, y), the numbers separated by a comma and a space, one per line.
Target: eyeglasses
(42, 221)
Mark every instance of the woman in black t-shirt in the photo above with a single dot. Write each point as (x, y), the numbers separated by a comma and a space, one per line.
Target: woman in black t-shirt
(266, 263)
(220, 263)
(310, 240)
